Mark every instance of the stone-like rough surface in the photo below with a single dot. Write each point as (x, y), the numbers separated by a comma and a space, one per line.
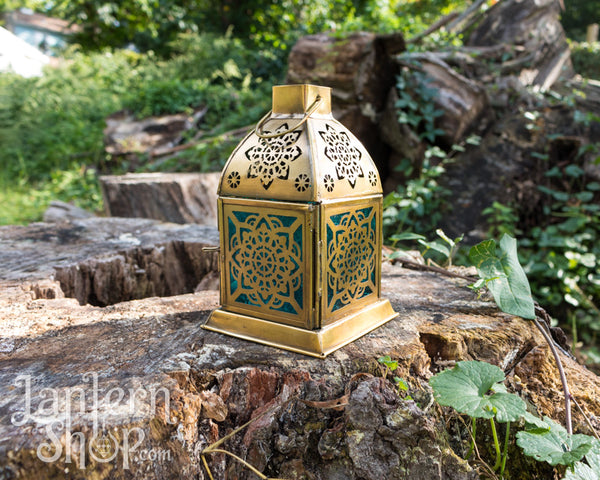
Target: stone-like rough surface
(170, 197)
(138, 389)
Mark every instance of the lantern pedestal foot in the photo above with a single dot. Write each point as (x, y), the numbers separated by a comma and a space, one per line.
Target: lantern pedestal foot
(317, 343)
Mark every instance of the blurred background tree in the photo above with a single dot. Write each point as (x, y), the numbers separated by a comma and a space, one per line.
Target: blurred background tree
(578, 15)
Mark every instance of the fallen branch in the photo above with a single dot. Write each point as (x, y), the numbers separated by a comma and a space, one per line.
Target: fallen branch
(473, 9)
(433, 28)
(168, 151)
(543, 315)
(429, 268)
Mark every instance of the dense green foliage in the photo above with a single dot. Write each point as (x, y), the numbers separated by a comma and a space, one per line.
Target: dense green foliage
(477, 389)
(578, 14)
(155, 24)
(585, 59)
(51, 127)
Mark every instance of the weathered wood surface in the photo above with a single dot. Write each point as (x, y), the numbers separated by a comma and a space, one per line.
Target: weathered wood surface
(170, 197)
(213, 383)
(535, 26)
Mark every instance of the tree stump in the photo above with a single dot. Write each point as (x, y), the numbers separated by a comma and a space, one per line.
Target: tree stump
(138, 389)
(170, 197)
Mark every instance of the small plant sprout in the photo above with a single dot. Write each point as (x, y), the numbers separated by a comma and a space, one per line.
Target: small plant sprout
(444, 245)
(390, 367)
(389, 364)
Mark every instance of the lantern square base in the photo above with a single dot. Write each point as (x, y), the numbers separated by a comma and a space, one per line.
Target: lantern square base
(317, 343)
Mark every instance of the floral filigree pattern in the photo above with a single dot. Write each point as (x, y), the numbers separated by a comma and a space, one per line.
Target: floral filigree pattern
(343, 154)
(272, 156)
(266, 258)
(351, 253)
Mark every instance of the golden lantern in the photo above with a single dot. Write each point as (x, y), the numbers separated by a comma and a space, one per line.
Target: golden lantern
(299, 208)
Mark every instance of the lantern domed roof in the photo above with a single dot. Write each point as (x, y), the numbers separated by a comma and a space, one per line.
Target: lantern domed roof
(300, 153)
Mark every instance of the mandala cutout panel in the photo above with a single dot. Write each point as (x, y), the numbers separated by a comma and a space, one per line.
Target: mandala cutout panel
(265, 261)
(351, 256)
(343, 154)
(271, 158)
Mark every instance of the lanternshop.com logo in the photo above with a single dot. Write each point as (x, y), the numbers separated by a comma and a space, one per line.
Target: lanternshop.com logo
(60, 413)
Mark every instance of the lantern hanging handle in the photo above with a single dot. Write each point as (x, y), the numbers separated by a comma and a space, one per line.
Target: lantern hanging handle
(313, 107)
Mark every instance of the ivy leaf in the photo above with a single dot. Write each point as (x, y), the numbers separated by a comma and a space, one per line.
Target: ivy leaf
(467, 389)
(555, 445)
(504, 276)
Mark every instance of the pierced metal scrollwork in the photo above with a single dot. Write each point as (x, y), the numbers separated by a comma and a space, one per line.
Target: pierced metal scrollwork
(233, 179)
(343, 154)
(302, 182)
(373, 178)
(272, 156)
(266, 257)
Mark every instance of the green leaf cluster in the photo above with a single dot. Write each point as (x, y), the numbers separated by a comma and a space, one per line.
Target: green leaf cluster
(562, 258)
(476, 389)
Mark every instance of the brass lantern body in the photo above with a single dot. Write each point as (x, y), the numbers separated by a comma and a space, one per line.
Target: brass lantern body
(300, 207)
